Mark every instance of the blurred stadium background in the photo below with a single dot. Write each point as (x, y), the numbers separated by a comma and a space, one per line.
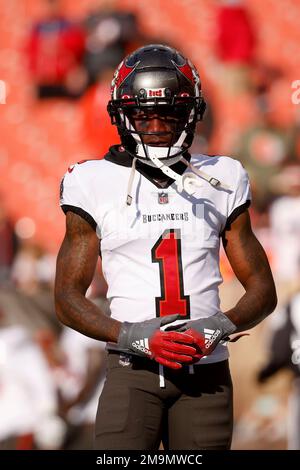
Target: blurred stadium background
(56, 62)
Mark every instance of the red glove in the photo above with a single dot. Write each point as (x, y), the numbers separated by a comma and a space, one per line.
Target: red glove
(171, 349)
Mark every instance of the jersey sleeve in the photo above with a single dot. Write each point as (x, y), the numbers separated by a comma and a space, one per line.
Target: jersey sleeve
(74, 196)
(240, 198)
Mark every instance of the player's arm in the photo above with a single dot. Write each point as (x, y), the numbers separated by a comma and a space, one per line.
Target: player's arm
(76, 265)
(250, 265)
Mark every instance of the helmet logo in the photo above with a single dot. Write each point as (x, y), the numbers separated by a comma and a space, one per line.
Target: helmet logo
(121, 74)
(187, 71)
(158, 92)
(190, 72)
(145, 93)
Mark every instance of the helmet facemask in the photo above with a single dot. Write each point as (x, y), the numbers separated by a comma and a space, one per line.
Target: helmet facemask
(167, 145)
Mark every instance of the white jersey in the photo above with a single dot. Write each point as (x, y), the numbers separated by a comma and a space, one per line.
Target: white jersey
(27, 392)
(160, 255)
(285, 230)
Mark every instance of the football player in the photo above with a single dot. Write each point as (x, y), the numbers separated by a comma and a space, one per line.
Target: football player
(158, 214)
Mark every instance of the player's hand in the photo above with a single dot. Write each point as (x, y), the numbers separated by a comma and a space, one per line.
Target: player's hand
(169, 348)
(207, 332)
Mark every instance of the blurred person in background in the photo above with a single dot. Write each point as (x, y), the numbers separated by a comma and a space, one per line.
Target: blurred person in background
(28, 396)
(33, 269)
(284, 353)
(235, 45)
(285, 226)
(30, 298)
(80, 383)
(55, 49)
(264, 148)
(80, 380)
(109, 33)
(160, 213)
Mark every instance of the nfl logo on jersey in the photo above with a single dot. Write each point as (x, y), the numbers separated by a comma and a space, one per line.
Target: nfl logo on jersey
(163, 198)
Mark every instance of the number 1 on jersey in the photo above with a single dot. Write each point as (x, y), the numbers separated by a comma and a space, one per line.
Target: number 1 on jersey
(167, 253)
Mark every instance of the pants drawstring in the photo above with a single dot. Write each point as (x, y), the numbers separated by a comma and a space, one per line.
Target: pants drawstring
(162, 383)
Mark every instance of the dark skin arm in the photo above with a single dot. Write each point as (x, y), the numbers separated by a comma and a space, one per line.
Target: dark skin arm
(250, 265)
(76, 263)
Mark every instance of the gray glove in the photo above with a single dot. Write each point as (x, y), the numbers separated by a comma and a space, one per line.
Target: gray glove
(207, 332)
(170, 349)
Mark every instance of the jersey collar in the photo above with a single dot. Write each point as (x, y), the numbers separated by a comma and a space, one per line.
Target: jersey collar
(122, 158)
